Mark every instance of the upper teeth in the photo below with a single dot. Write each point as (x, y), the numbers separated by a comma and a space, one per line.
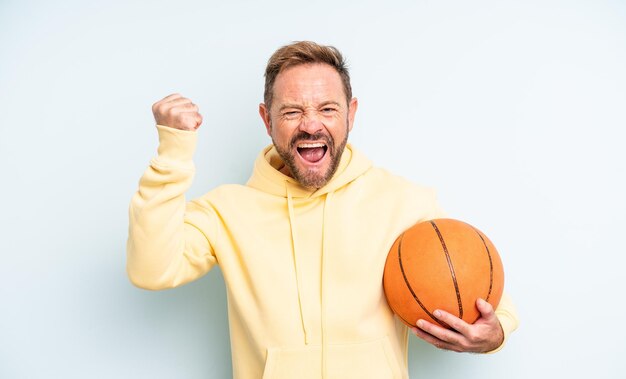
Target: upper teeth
(310, 145)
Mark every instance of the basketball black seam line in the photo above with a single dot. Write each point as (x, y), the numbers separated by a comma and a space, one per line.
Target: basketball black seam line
(490, 263)
(408, 285)
(451, 267)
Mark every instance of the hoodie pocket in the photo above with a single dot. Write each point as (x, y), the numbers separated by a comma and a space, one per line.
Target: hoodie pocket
(299, 362)
(364, 360)
(372, 359)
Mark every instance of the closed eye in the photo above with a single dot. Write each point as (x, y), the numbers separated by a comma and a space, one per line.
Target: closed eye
(291, 114)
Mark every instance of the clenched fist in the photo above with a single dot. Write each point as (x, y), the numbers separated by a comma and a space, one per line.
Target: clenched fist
(177, 112)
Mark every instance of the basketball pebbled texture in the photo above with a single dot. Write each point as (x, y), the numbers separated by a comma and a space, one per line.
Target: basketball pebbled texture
(442, 264)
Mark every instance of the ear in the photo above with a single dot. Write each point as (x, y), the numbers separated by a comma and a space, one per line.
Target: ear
(265, 115)
(354, 104)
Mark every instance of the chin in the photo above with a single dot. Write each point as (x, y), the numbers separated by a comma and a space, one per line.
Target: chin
(313, 178)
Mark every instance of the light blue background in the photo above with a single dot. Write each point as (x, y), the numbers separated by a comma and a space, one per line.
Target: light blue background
(514, 111)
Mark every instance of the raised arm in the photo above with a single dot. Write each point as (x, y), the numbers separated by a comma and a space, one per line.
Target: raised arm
(167, 243)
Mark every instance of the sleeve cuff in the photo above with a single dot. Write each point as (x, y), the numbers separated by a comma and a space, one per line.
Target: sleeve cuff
(176, 147)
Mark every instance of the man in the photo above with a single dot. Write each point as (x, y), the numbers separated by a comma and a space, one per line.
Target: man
(302, 245)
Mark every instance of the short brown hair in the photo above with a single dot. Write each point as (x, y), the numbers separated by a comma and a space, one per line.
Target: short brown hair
(304, 52)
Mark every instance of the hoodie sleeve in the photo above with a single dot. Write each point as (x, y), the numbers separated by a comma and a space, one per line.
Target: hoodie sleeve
(167, 242)
(507, 315)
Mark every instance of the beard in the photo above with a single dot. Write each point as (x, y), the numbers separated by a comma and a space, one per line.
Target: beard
(312, 178)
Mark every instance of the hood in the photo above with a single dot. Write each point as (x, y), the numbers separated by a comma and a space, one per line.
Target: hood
(267, 177)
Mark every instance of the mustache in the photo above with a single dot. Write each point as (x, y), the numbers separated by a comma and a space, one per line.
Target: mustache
(304, 136)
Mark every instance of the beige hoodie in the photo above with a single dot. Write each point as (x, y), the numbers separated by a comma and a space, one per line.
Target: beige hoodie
(303, 269)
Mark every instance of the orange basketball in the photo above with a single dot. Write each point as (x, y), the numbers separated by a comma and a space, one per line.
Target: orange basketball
(442, 264)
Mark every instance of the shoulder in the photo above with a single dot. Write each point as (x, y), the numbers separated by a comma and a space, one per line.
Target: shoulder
(387, 181)
(397, 192)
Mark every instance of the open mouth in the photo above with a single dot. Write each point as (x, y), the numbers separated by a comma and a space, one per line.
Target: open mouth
(312, 152)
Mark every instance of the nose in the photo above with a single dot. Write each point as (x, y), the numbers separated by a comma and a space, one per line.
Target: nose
(311, 122)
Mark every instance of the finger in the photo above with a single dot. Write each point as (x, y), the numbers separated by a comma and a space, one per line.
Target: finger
(198, 120)
(426, 336)
(436, 342)
(176, 102)
(454, 322)
(171, 97)
(176, 108)
(189, 120)
(442, 334)
(164, 102)
(183, 106)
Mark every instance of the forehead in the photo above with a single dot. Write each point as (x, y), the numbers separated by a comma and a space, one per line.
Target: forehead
(309, 84)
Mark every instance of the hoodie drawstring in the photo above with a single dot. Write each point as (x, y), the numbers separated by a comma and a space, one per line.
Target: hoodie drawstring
(295, 260)
(323, 287)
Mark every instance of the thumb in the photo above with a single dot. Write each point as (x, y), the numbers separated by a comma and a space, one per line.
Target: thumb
(486, 310)
(198, 120)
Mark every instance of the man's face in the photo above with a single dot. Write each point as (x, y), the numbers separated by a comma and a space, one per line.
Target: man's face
(309, 122)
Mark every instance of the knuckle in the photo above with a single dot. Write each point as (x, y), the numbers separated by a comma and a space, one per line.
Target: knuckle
(455, 324)
(156, 107)
(188, 121)
(464, 345)
(172, 112)
(473, 336)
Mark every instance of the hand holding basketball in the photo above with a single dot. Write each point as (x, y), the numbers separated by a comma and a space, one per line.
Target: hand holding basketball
(436, 276)
(177, 112)
(482, 336)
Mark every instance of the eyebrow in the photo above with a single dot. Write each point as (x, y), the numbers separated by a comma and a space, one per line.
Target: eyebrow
(298, 106)
(325, 103)
(285, 106)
